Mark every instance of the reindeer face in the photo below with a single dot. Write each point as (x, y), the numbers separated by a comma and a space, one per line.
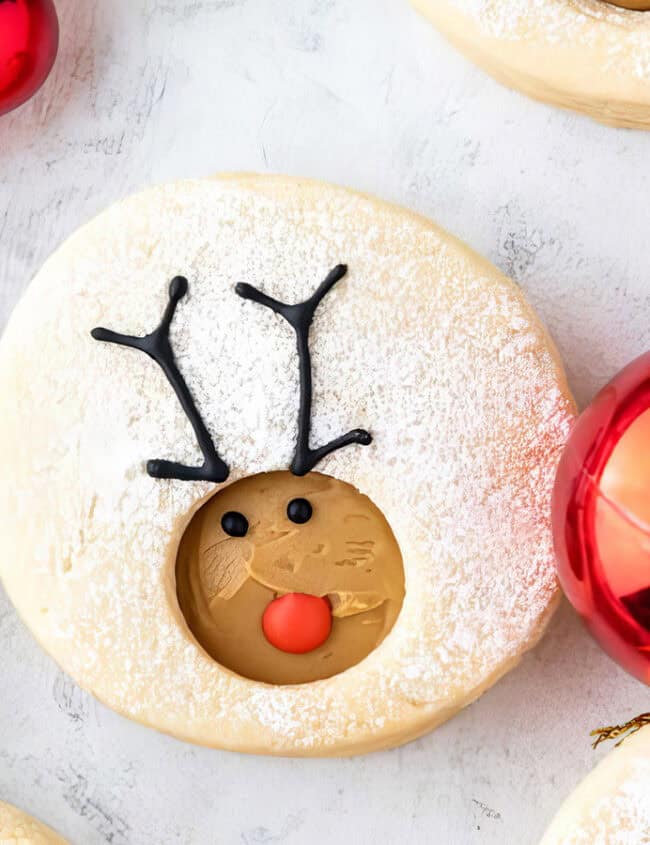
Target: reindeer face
(283, 577)
(344, 552)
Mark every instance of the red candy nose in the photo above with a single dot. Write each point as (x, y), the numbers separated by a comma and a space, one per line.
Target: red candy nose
(297, 622)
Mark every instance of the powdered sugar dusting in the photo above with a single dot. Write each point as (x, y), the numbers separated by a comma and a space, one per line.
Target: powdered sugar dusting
(623, 35)
(422, 343)
(623, 816)
(611, 806)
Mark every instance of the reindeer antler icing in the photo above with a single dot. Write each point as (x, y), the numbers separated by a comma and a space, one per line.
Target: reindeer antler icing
(300, 317)
(157, 345)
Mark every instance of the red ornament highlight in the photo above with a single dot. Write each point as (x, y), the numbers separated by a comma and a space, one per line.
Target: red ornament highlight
(601, 518)
(297, 623)
(29, 39)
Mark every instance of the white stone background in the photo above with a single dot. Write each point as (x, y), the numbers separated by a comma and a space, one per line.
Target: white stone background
(363, 93)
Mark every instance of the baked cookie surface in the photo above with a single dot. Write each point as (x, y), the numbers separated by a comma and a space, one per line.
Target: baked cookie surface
(587, 55)
(19, 828)
(422, 342)
(612, 803)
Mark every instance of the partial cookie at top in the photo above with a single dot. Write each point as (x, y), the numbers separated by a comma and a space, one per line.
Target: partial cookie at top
(587, 55)
(422, 342)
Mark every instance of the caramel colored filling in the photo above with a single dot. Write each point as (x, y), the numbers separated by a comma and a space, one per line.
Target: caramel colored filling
(346, 551)
(641, 5)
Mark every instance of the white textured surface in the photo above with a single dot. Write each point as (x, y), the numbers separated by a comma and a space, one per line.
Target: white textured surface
(363, 93)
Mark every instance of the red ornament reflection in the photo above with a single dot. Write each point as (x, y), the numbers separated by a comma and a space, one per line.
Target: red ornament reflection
(601, 518)
(29, 38)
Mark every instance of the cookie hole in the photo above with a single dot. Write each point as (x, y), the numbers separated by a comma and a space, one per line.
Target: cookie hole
(224, 585)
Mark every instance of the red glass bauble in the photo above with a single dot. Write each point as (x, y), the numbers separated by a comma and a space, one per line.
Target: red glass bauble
(601, 517)
(297, 623)
(29, 37)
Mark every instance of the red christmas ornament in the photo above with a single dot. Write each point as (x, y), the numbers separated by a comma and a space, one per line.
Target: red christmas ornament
(29, 38)
(601, 518)
(297, 622)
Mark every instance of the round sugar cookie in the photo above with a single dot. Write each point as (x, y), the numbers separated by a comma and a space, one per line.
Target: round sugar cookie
(278, 460)
(592, 56)
(611, 804)
(19, 828)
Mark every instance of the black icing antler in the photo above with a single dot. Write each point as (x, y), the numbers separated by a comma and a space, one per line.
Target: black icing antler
(158, 346)
(299, 317)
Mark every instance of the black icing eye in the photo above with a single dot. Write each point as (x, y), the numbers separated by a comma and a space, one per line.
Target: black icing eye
(299, 510)
(234, 523)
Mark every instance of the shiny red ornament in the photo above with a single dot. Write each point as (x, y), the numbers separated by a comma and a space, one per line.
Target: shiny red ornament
(29, 38)
(601, 518)
(297, 623)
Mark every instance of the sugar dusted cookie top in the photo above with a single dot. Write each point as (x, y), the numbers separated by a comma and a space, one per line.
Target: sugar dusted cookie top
(611, 805)
(587, 55)
(422, 343)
